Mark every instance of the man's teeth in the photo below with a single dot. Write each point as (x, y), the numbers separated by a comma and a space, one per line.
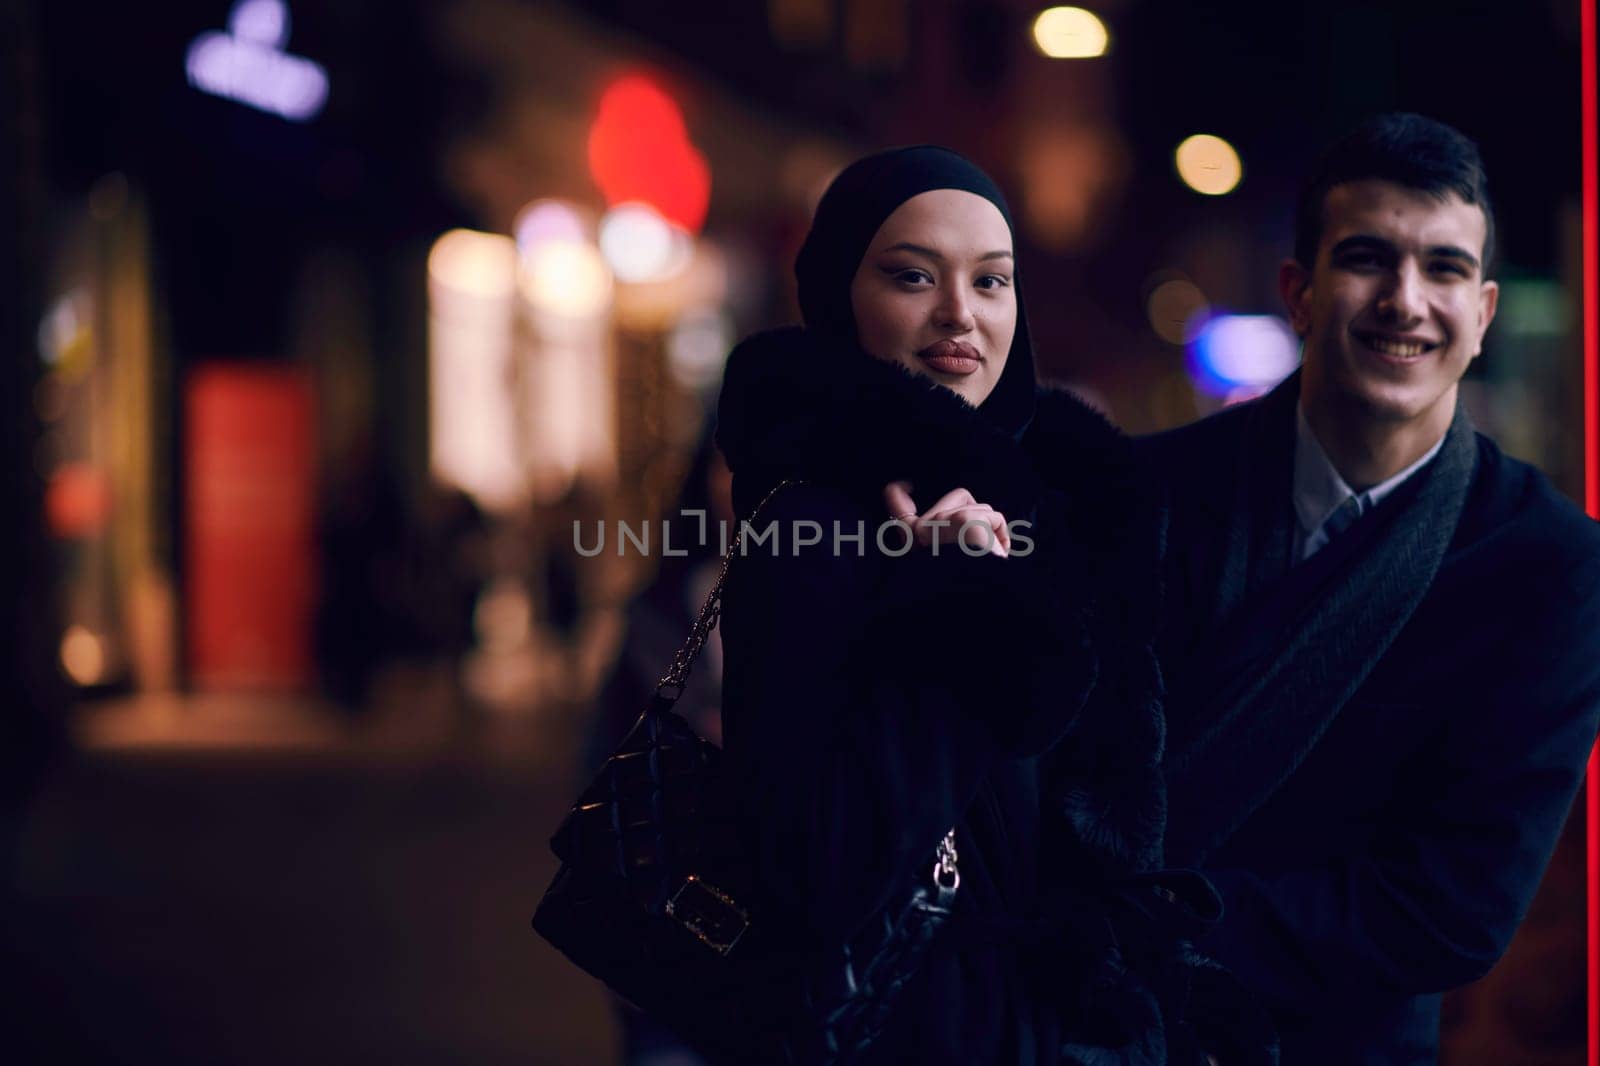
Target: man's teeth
(1401, 349)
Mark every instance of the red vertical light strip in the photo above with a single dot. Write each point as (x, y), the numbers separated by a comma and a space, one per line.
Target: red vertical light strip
(1591, 284)
(1593, 918)
(1591, 463)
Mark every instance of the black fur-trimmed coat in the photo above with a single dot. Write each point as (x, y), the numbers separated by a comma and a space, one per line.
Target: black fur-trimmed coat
(872, 701)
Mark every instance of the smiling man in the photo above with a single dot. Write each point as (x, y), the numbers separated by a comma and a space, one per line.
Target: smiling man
(1383, 648)
(1387, 289)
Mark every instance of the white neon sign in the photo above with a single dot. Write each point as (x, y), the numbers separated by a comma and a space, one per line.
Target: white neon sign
(247, 63)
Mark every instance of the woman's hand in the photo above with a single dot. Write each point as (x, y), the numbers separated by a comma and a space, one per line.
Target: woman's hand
(944, 521)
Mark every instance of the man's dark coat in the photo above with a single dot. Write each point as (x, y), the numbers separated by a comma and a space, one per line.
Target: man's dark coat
(1378, 826)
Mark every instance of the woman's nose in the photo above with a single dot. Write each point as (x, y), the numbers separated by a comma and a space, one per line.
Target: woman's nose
(954, 310)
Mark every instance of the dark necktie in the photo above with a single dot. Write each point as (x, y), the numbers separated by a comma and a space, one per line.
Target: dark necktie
(1344, 516)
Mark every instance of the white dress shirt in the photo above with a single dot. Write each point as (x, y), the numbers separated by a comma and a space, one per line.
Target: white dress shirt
(1319, 490)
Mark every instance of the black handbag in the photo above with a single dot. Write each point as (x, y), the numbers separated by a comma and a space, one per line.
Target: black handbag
(657, 898)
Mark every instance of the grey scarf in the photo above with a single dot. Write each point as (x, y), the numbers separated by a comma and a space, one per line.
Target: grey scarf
(1293, 645)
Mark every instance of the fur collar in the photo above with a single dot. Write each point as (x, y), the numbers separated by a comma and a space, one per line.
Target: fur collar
(1089, 464)
(790, 407)
(794, 406)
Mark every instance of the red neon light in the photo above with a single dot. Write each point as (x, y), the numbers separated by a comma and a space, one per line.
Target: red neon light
(1591, 459)
(1592, 819)
(1591, 285)
(639, 149)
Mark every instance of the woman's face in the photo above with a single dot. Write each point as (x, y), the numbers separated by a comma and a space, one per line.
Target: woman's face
(934, 292)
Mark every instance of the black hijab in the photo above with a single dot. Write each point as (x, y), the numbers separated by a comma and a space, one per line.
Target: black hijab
(855, 206)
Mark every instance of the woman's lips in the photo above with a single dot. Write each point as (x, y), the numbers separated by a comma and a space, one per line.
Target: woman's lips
(952, 357)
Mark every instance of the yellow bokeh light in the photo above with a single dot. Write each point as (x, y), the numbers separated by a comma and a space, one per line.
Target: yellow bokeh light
(1208, 164)
(567, 278)
(473, 263)
(83, 657)
(1174, 307)
(1070, 33)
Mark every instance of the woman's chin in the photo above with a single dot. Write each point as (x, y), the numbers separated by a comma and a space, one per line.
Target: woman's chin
(973, 388)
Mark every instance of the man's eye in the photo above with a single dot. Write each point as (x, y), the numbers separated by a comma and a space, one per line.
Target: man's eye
(1449, 267)
(1359, 260)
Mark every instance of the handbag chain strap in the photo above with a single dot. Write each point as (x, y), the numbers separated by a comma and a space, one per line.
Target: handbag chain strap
(945, 873)
(677, 675)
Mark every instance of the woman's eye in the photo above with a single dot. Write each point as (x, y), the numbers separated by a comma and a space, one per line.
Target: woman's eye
(912, 276)
(993, 281)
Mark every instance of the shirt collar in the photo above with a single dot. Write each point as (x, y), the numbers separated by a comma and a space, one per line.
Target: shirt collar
(1318, 488)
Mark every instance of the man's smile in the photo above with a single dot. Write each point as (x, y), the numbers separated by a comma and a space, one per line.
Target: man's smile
(1395, 346)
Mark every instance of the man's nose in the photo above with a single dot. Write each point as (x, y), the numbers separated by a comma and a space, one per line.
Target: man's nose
(1404, 298)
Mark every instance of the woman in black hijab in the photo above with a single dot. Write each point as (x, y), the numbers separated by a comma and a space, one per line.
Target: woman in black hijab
(874, 697)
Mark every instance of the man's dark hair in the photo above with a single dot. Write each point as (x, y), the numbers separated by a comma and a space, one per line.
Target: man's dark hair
(1411, 150)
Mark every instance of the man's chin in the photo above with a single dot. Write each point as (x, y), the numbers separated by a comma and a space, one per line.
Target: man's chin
(1392, 402)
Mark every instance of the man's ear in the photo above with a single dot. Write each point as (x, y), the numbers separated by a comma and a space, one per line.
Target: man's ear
(1294, 286)
(1488, 303)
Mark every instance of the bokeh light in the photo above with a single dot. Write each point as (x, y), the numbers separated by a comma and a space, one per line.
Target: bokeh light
(639, 149)
(263, 22)
(66, 335)
(698, 347)
(1175, 308)
(472, 315)
(83, 656)
(546, 220)
(1230, 352)
(641, 246)
(77, 500)
(1070, 33)
(247, 64)
(568, 279)
(474, 263)
(1208, 164)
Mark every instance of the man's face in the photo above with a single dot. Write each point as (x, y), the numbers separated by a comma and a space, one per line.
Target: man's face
(1395, 307)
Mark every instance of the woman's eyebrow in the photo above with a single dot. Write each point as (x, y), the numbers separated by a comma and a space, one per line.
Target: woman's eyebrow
(907, 246)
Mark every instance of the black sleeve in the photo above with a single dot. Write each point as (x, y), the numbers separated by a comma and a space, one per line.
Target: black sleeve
(865, 697)
(1187, 570)
(1434, 900)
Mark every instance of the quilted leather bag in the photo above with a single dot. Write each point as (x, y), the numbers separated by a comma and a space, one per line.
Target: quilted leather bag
(656, 898)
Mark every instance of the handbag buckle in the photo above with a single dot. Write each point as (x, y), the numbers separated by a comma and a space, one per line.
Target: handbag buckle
(709, 913)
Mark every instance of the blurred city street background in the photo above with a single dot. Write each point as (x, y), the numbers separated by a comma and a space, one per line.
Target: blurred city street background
(325, 323)
(249, 880)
